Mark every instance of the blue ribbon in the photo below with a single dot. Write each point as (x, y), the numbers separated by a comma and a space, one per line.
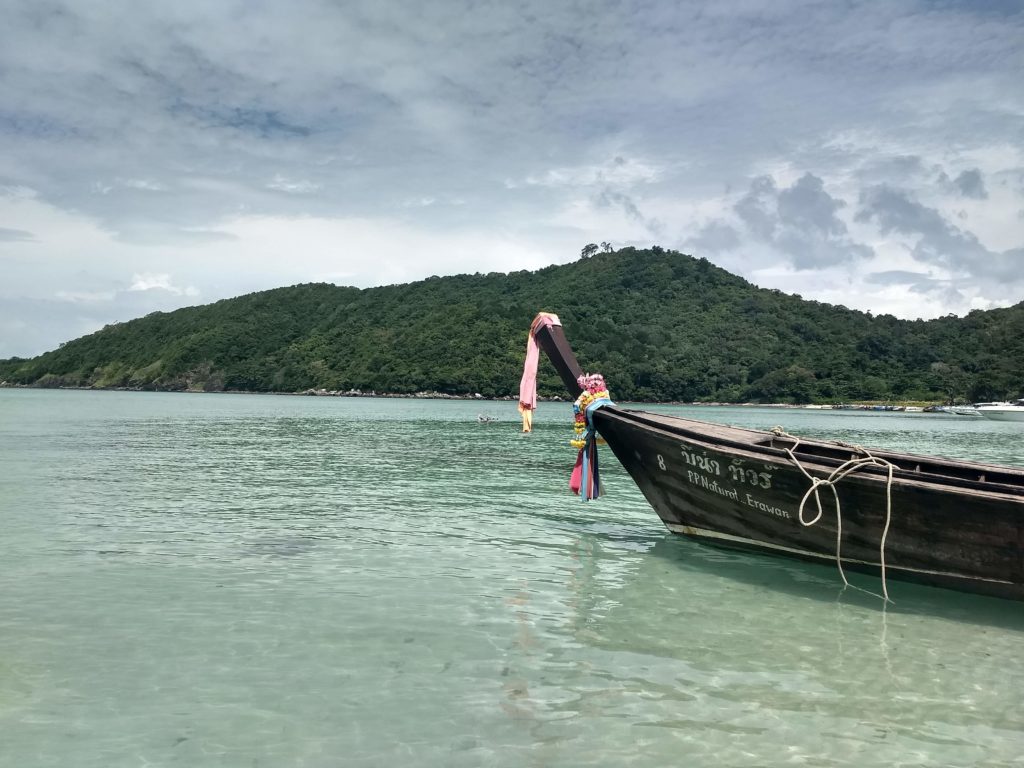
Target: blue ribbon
(590, 448)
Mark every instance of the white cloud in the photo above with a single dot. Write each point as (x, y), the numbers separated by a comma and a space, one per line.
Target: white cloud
(143, 184)
(617, 172)
(301, 187)
(150, 281)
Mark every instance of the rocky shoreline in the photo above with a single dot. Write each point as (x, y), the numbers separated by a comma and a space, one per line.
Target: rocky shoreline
(424, 395)
(434, 395)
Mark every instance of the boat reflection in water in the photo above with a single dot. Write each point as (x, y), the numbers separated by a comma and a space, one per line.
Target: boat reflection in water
(738, 653)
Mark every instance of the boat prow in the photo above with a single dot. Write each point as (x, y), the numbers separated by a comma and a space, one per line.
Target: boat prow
(1002, 411)
(949, 523)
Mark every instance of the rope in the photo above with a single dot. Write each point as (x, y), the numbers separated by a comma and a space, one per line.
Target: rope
(830, 482)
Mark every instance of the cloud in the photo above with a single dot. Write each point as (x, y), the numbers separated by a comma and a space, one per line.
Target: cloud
(714, 237)
(608, 198)
(619, 171)
(897, 168)
(799, 221)
(971, 184)
(159, 282)
(806, 205)
(30, 325)
(361, 252)
(757, 209)
(299, 187)
(86, 297)
(923, 284)
(936, 240)
(151, 138)
(897, 277)
(15, 236)
(968, 184)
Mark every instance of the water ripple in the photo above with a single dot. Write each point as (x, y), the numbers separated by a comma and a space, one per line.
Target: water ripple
(226, 580)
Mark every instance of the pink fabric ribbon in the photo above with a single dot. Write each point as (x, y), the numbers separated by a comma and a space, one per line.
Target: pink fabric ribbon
(528, 384)
(576, 478)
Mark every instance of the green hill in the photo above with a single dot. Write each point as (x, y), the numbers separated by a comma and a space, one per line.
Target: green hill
(660, 325)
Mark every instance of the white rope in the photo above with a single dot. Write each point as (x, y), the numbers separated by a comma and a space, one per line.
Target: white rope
(838, 474)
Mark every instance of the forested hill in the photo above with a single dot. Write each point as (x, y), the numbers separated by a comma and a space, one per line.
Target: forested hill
(660, 325)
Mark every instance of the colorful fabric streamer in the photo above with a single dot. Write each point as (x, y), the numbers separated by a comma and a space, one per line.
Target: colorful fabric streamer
(586, 478)
(528, 384)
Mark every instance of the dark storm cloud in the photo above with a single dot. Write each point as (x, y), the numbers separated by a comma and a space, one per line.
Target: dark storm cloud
(757, 208)
(611, 199)
(714, 237)
(800, 221)
(971, 184)
(938, 241)
(806, 205)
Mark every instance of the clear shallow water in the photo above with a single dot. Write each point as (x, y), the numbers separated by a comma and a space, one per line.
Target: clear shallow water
(231, 580)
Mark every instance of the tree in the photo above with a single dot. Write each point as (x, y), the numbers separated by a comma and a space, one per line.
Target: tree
(588, 250)
(951, 380)
(606, 246)
(659, 324)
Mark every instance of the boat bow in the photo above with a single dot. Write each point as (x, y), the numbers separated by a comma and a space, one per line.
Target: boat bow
(945, 522)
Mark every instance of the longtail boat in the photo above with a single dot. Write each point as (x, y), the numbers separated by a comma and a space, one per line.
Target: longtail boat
(948, 523)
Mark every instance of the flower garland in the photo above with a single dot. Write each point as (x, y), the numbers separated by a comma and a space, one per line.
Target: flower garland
(594, 389)
(585, 479)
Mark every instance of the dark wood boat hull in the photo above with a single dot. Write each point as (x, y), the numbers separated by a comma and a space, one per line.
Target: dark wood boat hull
(948, 523)
(749, 497)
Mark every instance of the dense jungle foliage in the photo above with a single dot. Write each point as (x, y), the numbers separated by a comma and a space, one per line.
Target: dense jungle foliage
(661, 326)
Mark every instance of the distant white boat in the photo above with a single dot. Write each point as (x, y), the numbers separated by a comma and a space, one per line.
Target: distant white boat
(1002, 411)
(965, 410)
(972, 409)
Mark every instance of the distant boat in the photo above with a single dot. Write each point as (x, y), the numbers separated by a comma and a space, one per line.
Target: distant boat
(484, 419)
(956, 524)
(964, 410)
(1002, 411)
(954, 410)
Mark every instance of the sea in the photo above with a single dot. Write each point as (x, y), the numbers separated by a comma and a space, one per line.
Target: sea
(271, 581)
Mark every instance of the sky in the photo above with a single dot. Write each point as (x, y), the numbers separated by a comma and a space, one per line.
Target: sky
(159, 155)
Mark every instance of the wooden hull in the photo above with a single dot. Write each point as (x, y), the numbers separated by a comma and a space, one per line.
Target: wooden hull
(950, 523)
(739, 488)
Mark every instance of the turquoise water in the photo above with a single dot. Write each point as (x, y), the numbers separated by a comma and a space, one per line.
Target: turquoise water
(231, 580)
